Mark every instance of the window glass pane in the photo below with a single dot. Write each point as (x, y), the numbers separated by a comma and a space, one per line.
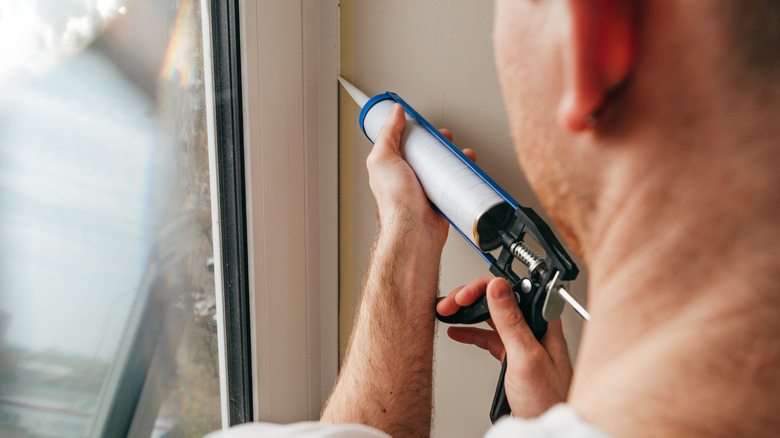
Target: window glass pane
(107, 292)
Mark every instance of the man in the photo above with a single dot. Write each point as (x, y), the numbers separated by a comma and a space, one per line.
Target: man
(649, 131)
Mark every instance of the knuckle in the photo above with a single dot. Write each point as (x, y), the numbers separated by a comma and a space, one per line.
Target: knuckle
(532, 368)
(536, 356)
(531, 361)
(513, 318)
(373, 160)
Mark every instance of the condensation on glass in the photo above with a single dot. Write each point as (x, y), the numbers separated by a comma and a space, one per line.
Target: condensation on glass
(105, 222)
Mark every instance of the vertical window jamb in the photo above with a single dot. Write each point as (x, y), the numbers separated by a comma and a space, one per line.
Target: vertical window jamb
(232, 206)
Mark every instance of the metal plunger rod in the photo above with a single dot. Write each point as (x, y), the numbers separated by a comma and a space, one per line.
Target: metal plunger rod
(574, 304)
(534, 262)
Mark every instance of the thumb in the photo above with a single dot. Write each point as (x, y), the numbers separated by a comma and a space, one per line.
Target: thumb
(508, 319)
(389, 137)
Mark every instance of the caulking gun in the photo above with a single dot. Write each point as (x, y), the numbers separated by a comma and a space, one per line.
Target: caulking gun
(487, 217)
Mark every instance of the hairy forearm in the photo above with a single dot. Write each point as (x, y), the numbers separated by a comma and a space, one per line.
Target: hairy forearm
(385, 381)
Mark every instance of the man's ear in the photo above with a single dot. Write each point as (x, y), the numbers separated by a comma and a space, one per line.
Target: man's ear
(598, 57)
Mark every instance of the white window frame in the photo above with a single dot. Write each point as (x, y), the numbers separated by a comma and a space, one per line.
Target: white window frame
(289, 58)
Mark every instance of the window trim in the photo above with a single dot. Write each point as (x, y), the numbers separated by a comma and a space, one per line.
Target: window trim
(230, 172)
(291, 152)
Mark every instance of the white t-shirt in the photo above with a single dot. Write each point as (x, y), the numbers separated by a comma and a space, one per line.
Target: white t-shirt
(559, 422)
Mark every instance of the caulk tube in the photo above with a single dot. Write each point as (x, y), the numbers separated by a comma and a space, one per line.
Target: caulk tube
(472, 206)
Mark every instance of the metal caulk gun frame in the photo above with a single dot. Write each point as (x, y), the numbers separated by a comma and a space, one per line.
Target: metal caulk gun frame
(540, 294)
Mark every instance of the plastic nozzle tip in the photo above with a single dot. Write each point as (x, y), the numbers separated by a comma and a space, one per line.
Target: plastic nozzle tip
(358, 96)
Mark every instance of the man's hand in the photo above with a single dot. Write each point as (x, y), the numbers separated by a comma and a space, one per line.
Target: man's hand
(401, 201)
(538, 373)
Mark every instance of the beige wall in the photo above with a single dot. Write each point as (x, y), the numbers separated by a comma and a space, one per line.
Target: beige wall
(437, 55)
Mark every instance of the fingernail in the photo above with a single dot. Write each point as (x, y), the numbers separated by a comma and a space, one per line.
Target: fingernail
(457, 296)
(501, 289)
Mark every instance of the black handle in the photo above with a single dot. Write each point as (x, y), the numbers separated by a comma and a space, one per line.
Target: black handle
(500, 403)
(531, 302)
(475, 312)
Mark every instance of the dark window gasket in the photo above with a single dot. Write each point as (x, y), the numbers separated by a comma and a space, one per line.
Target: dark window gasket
(226, 53)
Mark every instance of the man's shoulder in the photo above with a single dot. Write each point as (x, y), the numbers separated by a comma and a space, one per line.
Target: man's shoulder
(560, 421)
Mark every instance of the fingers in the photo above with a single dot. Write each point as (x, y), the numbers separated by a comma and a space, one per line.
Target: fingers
(447, 305)
(470, 154)
(388, 141)
(508, 319)
(386, 180)
(446, 133)
(538, 373)
(555, 344)
(393, 128)
(484, 339)
(462, 296)
(470, 292)
(389, 137)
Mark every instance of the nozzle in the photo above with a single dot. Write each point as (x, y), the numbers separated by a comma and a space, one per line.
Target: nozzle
(358, 96)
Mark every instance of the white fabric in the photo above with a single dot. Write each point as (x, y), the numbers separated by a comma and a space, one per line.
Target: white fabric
(299, 430)
(559, 422)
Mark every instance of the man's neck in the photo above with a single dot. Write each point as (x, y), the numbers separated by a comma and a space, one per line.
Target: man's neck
(684, 338)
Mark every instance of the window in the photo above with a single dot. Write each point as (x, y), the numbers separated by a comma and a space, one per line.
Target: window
(110, 287)
(142, 292)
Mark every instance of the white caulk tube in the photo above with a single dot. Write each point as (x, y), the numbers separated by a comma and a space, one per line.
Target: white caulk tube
(471, 205)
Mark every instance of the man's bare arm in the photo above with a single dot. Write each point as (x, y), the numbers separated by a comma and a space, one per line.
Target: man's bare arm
(385, 381)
